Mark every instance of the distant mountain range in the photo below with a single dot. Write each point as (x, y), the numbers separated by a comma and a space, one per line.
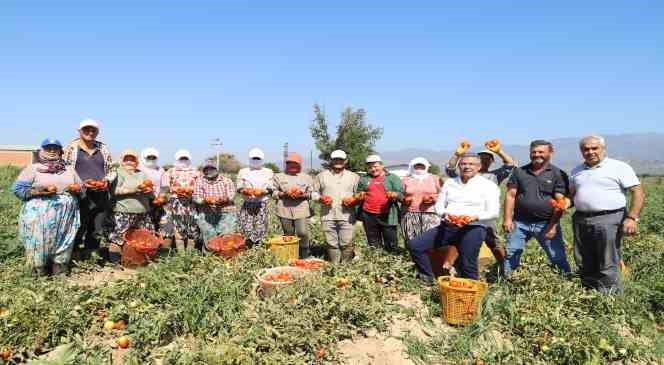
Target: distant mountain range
(644, 152)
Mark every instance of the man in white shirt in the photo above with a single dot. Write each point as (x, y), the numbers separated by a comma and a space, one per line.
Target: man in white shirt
(470, 195)
(598, 188)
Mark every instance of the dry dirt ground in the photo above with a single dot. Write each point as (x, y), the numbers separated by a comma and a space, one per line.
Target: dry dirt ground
(375, 348)
(383, 348)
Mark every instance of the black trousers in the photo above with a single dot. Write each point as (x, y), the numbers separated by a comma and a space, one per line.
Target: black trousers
(94, 213)
(379, 232)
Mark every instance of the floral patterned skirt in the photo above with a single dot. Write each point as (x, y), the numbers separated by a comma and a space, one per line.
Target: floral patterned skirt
(122, 222)
(47, 227)
(180, 219)
(414, 224)
(254, 221)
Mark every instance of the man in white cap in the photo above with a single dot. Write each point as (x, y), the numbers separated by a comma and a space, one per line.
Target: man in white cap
(254, 183)
(379, 193)
(92, 161)
(487, 158)
(334, 189)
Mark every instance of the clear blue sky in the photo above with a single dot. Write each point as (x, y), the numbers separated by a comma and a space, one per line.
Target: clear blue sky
(176, 73)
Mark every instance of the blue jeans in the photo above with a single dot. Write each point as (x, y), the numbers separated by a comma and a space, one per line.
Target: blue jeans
(522, 232)
(468, 240)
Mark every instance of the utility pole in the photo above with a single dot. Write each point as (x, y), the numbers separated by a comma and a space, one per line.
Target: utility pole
(216, 142)
(285, 154)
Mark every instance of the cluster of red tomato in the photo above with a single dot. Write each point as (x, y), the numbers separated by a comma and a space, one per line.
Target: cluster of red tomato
(74, 188)
(211, 200)
(280, 277)
(349, 201)
(159, 200)
(232, 242)
(326, 200)
(308, 263)
(459, 220)
(294, 192)
(492, 144)
(146, 187)
(253, 192)
(95, 184)
(461, 284)
(558, 204)
(184, 191)
(143, 241)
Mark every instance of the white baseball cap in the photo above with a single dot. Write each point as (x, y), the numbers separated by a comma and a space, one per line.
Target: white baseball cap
(338, 154)
(150, 151)
(88, 123)
(374, 158)
(256, 153)
(182, 153)
(487, 152)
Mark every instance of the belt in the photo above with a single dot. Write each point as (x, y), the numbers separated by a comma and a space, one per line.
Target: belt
(601, 212)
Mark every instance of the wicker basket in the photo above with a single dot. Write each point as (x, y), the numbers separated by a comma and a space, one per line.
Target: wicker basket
(226, 246)
(460, 305)
(140, 245)
(287, 248)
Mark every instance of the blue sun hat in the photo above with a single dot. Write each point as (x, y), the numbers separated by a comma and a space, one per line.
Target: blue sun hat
(51, 142)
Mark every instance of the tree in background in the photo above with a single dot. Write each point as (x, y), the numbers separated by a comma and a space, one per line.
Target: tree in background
(227, 163)
(434, 169)
(354, 136)
(273, 166)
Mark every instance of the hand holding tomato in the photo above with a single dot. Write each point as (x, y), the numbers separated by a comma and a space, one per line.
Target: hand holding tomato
(493, 145)
(459, 220)
(462, 148)
(74, 188)
(429, 199)
(360, 196)
(348, 201)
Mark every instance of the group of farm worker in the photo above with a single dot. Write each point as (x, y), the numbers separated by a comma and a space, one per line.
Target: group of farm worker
(73, 197)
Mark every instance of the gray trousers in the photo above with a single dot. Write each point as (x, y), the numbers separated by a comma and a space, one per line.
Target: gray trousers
(297, 227)
(597, 250)
(338, 234)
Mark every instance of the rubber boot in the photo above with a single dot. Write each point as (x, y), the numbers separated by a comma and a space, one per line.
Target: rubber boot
(58, 269)
(179, 244)
(39, 271)
(191, 245)
(114, 253)
(304, 252)
(334, 254)
(347, 253)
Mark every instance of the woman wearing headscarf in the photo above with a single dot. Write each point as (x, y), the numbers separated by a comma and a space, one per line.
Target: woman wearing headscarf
(50, 217)
(180, 223)
(254, 183)
(293, 190)
(150, 166)
(131, 195)
(214, 193)
(421, 190)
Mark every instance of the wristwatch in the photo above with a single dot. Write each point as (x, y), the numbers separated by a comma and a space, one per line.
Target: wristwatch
(635, 219)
